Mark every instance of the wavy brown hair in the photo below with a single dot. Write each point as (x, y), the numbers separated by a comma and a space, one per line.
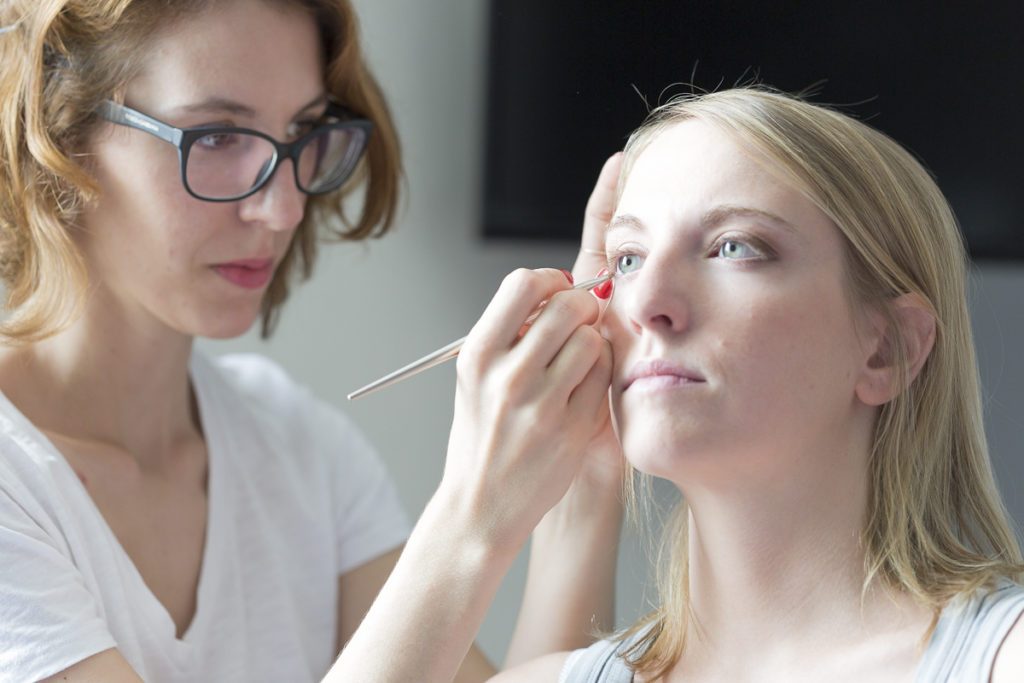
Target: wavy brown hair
(935, 526)
(58, 61)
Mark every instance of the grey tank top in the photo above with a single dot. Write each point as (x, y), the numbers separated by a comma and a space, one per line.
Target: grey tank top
(961, 650)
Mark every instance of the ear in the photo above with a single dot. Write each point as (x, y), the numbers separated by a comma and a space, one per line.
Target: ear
(880, 380)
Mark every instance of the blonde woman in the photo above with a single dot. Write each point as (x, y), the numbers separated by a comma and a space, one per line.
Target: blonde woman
(792, 351)
(164, 515)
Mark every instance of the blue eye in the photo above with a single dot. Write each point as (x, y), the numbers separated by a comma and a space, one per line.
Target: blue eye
(736, 250)
(627, 263)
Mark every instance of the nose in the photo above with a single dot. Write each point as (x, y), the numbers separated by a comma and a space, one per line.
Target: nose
(279, 205)
(656, 299)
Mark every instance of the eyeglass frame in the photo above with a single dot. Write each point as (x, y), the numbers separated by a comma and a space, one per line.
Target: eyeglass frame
(183, 138)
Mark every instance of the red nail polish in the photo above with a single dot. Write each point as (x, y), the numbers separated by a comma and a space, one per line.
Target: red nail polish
(603, 290)
(568, 275)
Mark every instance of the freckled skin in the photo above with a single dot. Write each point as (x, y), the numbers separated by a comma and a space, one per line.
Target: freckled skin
(151, 247)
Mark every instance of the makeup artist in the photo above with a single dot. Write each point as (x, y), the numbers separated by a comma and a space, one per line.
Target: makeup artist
(168, 170)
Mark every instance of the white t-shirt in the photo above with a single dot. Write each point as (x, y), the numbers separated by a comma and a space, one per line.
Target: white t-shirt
(296, 498)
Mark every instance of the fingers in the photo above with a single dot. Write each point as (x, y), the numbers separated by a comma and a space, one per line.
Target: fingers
(526, 406)
(551, 356)
(601, 203)
(597, 215)
(586, 363)
(520, 294)
(561, 317)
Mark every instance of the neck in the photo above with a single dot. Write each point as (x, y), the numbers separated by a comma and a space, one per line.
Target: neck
(777, 566)
(107, 382)
(776, 556)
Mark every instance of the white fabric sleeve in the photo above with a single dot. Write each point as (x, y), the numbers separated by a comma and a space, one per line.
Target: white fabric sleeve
(369, 518)
(570, 663)
(48, 618)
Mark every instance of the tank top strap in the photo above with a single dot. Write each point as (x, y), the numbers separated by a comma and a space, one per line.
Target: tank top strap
(598, 663)
(969, 634)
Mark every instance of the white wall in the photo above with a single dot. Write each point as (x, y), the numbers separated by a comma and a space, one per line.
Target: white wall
(997, 316)
(371, 308)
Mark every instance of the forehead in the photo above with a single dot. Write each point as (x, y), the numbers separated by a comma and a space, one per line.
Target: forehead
(696, 157)
(246, 50)
(692, 167)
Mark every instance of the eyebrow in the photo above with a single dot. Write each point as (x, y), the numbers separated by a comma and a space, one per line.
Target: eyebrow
(224, 105)
(721, 214)
(711, 218)
(624, 221)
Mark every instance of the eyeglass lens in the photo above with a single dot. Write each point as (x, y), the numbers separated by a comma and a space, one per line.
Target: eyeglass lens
(225, 165)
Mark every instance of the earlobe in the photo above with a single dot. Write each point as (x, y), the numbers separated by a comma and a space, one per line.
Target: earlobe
(881, 379)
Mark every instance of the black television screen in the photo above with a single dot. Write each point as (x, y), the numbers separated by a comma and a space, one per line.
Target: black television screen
(568, 80)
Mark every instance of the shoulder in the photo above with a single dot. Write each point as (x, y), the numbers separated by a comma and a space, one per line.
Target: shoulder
(251, 374)
(601, 662)
(18, 434)
(1009, 663)
(255, 407)
(979, 636)
(33, 475)
(284, 423)
(258, 387)
(547, 668)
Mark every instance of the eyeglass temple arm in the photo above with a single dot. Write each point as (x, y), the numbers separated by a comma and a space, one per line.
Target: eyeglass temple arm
(118, 113)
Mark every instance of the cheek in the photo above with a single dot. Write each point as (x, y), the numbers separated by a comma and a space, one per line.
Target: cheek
(143, 200)
(139, 179)
(805, 350)
(763, 331)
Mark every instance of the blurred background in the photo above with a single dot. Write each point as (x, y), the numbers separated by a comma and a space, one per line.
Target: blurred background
(372, 307)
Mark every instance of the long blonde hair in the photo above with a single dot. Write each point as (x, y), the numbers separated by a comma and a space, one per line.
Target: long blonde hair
(58, 61)
(935, 525)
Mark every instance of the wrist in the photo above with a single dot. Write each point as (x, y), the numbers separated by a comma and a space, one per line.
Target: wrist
(432, 604)
(475, 530)
(580, 523)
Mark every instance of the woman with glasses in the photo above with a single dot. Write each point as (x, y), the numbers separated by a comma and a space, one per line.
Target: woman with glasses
(166, 516)
(792, 352)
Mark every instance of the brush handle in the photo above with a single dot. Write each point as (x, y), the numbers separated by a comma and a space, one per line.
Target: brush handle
(446, 352)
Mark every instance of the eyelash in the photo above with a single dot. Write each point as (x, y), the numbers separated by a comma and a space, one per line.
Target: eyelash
(300, 128)
(616, 255)
(762, 252)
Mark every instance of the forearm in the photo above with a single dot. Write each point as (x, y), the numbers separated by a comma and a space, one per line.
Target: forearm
(525, 406)
(426, 616)
(570, 588)
(571, 577)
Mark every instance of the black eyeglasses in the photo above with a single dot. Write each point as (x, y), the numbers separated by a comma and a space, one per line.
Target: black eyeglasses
(227, 163)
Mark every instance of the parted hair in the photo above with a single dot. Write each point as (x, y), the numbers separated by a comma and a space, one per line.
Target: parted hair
(58, 60)
(935, 527)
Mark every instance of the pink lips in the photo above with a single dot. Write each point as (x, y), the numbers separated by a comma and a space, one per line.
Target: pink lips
(657, 374)
(248, 273)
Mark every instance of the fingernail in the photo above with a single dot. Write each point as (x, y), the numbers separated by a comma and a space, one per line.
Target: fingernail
(568, 275)
(603, 290)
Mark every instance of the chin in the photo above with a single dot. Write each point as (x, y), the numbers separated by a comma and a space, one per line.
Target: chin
(224, 331)
(669, 451)
(223, 335)
(655, 464)
(227, 325)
